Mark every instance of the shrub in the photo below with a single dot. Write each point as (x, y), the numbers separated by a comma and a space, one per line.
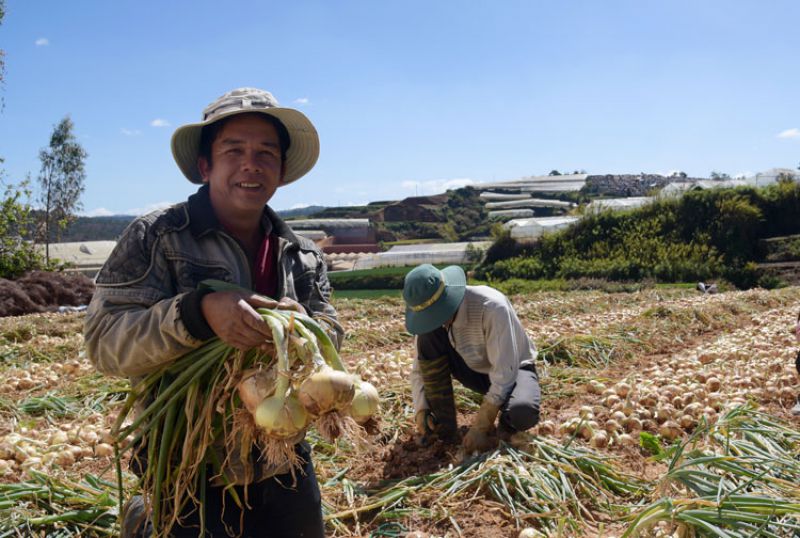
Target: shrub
(703, 235)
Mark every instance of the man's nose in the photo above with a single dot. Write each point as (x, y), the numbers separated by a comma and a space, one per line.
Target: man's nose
(251, 162)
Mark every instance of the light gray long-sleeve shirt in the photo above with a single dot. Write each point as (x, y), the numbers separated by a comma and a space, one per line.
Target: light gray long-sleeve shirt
(487, 334)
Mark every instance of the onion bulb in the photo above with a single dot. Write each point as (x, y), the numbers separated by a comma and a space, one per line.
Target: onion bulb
(326, 390)
(546, 427)
(365, 402)
(599, 439)
(670, 430)
(626, 439)
(255, 386)
(622, 389)
(281, 417)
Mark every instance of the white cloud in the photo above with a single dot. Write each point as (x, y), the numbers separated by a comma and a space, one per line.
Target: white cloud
(301, 101)
(300, 206)
(130, 132)
(158, 122)
(42, 42)
(146, 209)
(435, 186)
(99, 212)
(790, 133)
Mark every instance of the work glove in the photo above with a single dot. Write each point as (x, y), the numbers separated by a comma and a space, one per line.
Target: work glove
(426, 425)
(425, 422)
(477, 437)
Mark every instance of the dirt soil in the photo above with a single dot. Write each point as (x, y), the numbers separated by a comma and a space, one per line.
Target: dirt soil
(732, 336)
(41, 291)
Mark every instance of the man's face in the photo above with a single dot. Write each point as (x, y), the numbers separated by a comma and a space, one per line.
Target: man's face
(245, 168)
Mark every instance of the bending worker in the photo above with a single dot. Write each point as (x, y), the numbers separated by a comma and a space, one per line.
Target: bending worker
(470, 333)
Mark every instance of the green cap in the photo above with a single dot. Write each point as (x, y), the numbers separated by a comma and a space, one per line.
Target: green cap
(432, 296)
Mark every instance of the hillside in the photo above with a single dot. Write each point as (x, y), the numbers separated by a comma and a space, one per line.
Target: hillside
(109, 228)
(455, 215)
(452, 216)
(709, 234)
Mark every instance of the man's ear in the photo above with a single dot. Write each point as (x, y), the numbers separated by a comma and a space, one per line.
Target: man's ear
(204, 168)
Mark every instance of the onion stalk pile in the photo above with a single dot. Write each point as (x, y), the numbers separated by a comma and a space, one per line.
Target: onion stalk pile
(218, 397)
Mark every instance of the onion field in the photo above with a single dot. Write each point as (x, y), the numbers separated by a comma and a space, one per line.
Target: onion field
(665, 413)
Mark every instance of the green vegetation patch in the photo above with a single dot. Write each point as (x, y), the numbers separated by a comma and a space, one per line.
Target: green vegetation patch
(701, 236)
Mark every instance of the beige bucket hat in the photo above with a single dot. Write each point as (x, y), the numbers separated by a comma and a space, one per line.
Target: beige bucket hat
(303, 148)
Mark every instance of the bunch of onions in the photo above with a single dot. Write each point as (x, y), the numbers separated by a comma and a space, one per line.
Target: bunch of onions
(326, 394)
(260, 394)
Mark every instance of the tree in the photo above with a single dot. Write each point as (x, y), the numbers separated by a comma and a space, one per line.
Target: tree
(554, 173)
(17, 252)
(61, 182)
(720, 176)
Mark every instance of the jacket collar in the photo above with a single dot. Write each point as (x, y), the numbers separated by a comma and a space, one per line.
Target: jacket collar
(203, 220)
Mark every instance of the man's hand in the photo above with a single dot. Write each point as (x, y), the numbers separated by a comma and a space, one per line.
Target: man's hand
(425, 425)
(477, 437)
(232, 317)
(290, 304)
(424, 421)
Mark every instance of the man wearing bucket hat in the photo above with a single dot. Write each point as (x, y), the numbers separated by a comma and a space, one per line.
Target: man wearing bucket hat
(470, 333)
(148, 308)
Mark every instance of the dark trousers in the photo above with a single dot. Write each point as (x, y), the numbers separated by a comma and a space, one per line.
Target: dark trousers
(520, 411)
(279, 507)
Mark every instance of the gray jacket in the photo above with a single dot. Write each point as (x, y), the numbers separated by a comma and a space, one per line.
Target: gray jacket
(145, 311)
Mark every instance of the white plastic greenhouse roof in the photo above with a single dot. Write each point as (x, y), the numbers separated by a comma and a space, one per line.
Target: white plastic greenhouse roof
(511, 213)
(528, 202)
(499, 196)
(316, 224)
(544, 222)
(411, 255)
(314, 235)
(563, 183)
(620, 203)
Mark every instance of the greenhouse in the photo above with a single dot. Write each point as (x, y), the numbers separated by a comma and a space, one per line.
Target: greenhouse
(434, 253)
(528, 229)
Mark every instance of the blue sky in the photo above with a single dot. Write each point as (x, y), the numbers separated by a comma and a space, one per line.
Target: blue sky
(408, 97)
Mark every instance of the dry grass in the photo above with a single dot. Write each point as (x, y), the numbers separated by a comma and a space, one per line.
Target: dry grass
(742, 338)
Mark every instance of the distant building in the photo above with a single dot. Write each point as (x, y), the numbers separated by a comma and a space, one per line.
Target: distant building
(506, 214)
(434, 253)
(530, 229)
(619, 203)
(768, 177)
(677, 189)
(84, 256)
(338, 235)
